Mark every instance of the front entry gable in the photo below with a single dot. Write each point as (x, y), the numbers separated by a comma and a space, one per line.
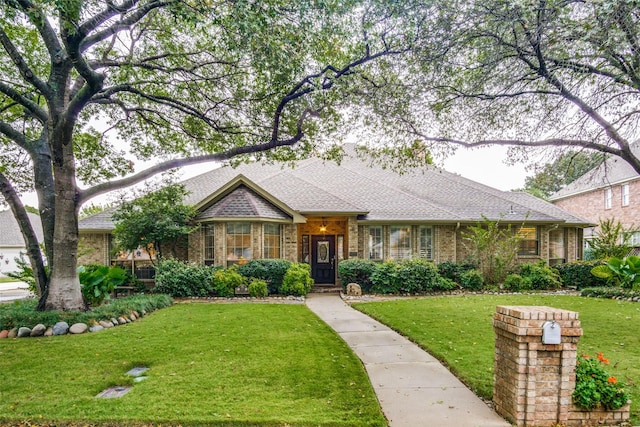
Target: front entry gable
(241, 198)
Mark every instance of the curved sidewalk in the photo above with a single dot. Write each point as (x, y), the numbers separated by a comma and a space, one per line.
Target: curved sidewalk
(413, 388)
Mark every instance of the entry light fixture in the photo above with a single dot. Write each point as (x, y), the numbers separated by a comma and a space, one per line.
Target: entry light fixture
(323, 226)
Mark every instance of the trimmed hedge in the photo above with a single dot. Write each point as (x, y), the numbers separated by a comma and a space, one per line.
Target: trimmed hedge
(181, 279)
(297, 281)
(358, 271)
(578, 274)
(453, 270)
(410, 276)
(271, 271)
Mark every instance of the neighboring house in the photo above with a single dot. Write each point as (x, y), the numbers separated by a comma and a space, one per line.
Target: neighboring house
(321, 212)
(610, 191)
(12, 243)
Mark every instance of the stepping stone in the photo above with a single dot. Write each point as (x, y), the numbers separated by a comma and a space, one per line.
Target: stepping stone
(112, 392)
(137, 371)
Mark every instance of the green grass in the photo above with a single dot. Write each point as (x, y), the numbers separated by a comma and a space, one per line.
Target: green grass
(458, 330)
(7, 280)
(213, 364)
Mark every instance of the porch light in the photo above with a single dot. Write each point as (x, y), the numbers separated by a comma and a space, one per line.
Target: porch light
(323, 226)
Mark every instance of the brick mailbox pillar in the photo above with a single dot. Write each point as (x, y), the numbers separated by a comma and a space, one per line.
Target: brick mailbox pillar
(533, 381)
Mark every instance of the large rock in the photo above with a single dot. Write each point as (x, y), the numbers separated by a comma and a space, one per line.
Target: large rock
(354, 290)
(38, 330)
(78, 328)
(13, 333)
(4, 333)
(106, 324)
(60, 328)
(114, 321)
(96, 328)
(24, 332)
(122, 320)
(48, 332)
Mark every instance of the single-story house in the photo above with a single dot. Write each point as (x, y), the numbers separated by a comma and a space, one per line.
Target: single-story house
(321, 212)
(12, 243)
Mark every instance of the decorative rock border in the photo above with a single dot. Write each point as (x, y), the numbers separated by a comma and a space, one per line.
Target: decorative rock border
(63, 328)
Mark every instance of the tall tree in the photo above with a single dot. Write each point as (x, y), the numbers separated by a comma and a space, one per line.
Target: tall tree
(186, 80)
(532, 73)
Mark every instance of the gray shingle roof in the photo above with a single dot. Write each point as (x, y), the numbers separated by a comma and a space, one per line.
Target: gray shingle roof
(243, 202)
(427, 194)
(11, 235)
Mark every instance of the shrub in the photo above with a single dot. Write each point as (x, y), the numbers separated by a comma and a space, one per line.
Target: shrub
(445, 284)
(516, 283)
(609, 292)
(542, 276)
(578, 274)
(271, 271)
(595, 387)
(624, 272)
(98, 281)
(180, 279)
(453, 270)
(226, 281)
(384, 278)
(258, 288)
(417, 275)
(358, 271)
(297, 280)
(472, 280)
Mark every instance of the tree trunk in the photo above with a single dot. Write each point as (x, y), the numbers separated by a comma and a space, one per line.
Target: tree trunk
(64, 285)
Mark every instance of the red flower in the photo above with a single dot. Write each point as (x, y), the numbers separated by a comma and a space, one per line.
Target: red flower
(603, 359)
(612, 380)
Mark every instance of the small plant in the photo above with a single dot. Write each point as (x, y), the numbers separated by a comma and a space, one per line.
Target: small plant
(611, 240)
(595, 387)
(516, 283)
(472, 280)
(226, 281)
(542, 276)
(98, 281)
(258, 288)
(297, 280)
(625, 271)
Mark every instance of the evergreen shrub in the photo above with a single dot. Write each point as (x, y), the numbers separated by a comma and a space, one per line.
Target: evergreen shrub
(356, 270)
(181, 279)
(271, 271)
(297, 281)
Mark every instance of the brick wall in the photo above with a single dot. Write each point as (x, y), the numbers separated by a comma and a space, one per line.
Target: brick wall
(534, 382)
(591, 207)
(93, 248)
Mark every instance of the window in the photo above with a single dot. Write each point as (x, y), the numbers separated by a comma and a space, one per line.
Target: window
(557, 248)
(399, 242)
(625, 194)
(529, 242)
(238, 242)
(209, 248)
(271, 247)
(634, 239)
(607, 198)
(375, 243)
(425, 242)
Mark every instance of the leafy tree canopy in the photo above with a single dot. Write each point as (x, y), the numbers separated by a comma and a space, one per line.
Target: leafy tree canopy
(155, 222)
(551, 177)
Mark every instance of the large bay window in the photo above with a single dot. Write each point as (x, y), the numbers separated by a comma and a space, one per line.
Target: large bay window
(238, 242)
(271, 241)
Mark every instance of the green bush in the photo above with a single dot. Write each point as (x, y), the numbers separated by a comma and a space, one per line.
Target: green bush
(595, 387)
(180, 279)
(472, 280)
(98, 281)
(516, 283)
(358, 271)
(226, 281)
(578, 274)
(271, 271)
(454, 271)
(609, 292)
(258, 288)
(445, 284)
(297, 280)
(542, 276)
(412, 276)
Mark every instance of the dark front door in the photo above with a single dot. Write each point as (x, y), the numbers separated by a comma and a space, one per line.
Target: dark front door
(323, 259)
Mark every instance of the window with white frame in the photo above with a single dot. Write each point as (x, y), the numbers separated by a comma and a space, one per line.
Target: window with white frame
(209, 247)
(425, 242)
(271, 243)
(607, 198)
(238, 242)
(624, 190)
(400, 242)
(375, 242)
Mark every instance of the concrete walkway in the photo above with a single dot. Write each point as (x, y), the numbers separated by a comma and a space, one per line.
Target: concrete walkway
(413, 388)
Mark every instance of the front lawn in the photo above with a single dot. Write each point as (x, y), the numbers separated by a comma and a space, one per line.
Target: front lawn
(458, 330)
(214, 364)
